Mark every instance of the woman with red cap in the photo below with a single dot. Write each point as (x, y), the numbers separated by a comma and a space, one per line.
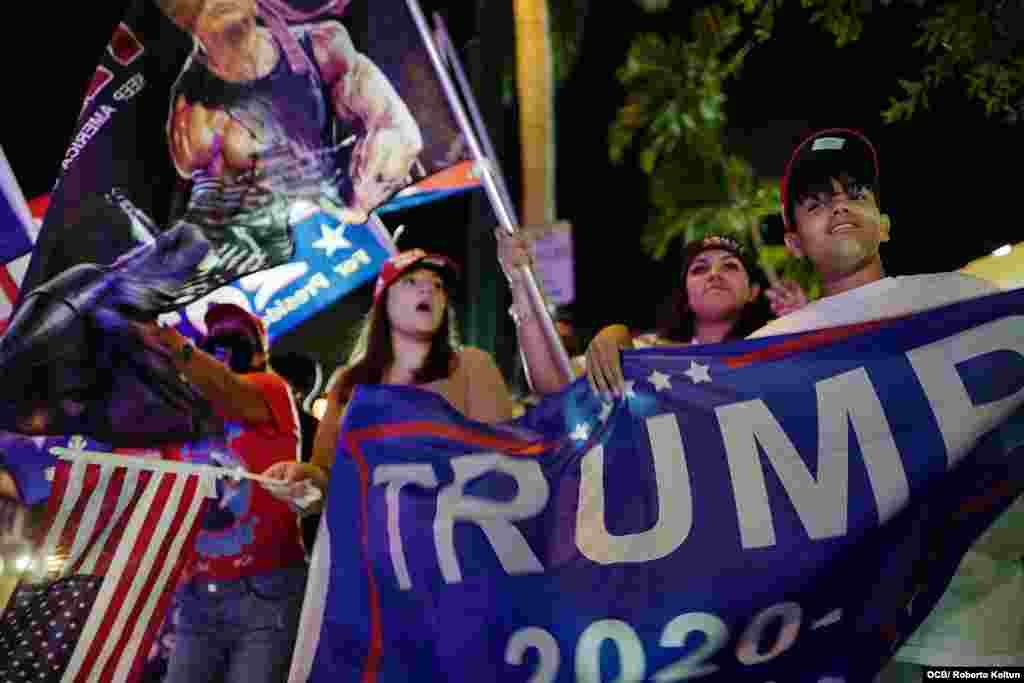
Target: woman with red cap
(410, 337)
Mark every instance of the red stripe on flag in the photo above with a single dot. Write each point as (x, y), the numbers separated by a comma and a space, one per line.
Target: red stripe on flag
(153, 582)
(61, 476)
(114, 540)
(373, 657)
(7, 284)
(127, 574)
(185, 560)
(103, 520)
(39, 205)
(506, 444)
(804, 342)
(71, 526)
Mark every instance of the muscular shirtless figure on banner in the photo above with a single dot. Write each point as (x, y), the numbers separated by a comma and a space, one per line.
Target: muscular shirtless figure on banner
(273, 110)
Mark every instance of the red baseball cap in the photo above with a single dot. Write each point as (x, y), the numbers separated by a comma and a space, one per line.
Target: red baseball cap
(400, 263)
(221, 312)
(827, 153)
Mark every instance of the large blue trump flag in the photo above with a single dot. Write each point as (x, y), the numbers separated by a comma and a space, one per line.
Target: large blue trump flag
(781, 509)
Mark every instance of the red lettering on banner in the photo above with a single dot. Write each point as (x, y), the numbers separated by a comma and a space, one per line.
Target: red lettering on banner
(100, 79)
(124, 46)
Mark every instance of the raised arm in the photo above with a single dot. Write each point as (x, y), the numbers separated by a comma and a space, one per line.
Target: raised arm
(541, 355)
(234, 397)
(391, 138)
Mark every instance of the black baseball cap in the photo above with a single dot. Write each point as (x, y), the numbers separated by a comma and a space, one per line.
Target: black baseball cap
(827, 154)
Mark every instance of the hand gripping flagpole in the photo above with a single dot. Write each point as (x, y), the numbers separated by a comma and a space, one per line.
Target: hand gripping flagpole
(494, 194)
(210, 472)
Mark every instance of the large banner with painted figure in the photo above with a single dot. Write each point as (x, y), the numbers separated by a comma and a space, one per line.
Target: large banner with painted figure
(218, 140)
(781, 509)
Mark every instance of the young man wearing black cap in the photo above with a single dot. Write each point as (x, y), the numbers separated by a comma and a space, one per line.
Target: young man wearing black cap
(832, 216)
(240, 604)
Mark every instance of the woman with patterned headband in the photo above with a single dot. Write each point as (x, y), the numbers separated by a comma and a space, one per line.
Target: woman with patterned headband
(718, 298)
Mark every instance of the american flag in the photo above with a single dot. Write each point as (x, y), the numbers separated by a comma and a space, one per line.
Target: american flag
(118, 535)
(11, 276)
(19, 226)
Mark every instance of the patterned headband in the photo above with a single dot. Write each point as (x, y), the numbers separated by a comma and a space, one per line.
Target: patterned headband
(721, 241)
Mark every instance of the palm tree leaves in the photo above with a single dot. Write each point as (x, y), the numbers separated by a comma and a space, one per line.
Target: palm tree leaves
(673, 120)
(676, 96)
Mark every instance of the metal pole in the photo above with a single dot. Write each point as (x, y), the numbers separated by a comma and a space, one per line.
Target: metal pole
(375, 225)
(474, 111)
(490, 186)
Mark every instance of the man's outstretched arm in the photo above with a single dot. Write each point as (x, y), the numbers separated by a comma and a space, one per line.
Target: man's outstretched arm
(362, 94)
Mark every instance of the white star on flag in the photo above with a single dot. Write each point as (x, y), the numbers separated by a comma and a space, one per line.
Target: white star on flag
(332, 239)
(606, 411)
(629, 393)
(698, 373)
(582, 432)
(659, 380)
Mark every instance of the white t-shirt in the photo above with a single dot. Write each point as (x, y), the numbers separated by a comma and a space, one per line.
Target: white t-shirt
(889, 297)
(979, 620)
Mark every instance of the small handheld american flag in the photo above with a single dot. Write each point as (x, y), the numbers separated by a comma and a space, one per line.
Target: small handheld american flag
(118, 534)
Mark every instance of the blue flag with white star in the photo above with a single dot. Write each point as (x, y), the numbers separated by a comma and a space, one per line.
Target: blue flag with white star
(779, 509)
(332, 259)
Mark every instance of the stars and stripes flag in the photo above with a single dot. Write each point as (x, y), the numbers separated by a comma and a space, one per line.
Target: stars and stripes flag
(17, 226)
(11, 275)
(18, 229)
(118, 534)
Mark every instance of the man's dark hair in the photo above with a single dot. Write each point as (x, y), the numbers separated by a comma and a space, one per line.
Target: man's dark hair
(815, 177)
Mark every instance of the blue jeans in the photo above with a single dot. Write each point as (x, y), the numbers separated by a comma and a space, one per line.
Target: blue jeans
(237, 631)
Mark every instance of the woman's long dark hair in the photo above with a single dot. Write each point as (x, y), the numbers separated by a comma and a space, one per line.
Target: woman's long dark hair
(373, 353)
(676, 319)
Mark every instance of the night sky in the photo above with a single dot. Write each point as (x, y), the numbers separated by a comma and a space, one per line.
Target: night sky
(946, 176)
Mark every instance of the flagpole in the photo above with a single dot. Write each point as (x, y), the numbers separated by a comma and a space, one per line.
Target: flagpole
(375, 225)
(156, 465)
(491, 187)
(474, 111)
